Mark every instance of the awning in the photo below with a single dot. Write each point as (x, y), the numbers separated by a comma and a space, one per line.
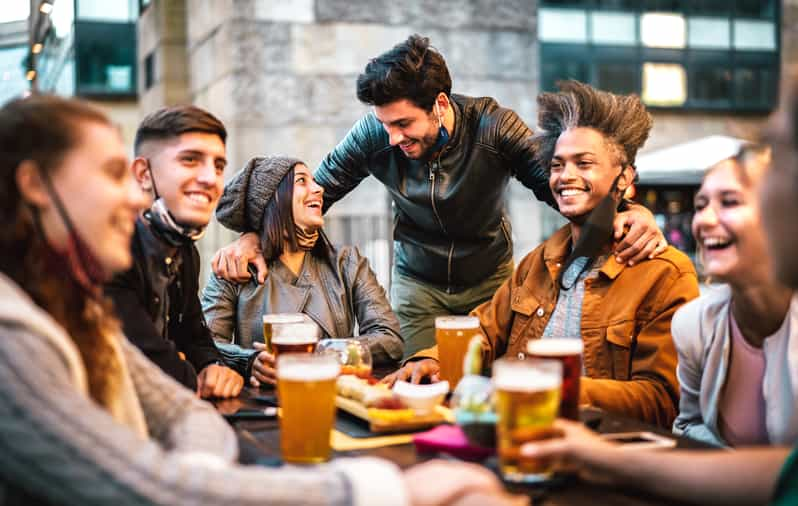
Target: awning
(684, 164)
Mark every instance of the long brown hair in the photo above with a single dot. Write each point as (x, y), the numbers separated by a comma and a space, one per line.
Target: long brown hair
(43, 130)
(277, 231)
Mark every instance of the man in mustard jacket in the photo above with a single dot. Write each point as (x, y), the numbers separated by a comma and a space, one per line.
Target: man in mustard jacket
(571, 286)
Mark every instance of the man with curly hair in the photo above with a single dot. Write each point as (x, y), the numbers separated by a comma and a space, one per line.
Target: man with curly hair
(571, 286)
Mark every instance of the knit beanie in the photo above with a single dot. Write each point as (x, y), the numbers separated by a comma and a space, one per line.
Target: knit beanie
(249, 190)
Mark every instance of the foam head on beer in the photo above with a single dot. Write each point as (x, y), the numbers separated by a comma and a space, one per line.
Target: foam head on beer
(452, 335)
(295, 338)
(555, 347)
(300, 370)
(517, 376)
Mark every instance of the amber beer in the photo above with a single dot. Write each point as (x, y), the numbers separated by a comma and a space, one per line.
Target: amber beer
(306, 387)
(295, 338)
(569, 353)
(452, 334)
(527, 399)
(272, 322)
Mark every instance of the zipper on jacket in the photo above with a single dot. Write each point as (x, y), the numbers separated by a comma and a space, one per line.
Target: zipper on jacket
(433, 167)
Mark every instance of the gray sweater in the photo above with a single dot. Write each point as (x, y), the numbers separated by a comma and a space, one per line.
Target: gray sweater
(161, 446)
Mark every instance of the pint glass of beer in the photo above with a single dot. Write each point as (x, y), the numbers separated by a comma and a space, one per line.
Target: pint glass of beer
(295, 338)
(527, 399)
(275, 320)
(453, 333)
(306, 387)
(569, 352)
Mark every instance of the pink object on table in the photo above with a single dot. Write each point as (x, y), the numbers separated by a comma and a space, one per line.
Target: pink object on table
(450, 439)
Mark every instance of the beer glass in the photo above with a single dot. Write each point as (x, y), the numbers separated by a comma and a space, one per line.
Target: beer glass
(295, 338)
(452, 334)
(527, 399)
(270, 321)
(306, 387)
(569, 352)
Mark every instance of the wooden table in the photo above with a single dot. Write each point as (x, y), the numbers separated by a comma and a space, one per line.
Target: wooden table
(260, 442)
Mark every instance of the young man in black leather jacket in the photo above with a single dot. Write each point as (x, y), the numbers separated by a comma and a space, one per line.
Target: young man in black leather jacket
(446, 160)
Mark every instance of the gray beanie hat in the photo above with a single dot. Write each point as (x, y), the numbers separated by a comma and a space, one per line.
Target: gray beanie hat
(247, 192)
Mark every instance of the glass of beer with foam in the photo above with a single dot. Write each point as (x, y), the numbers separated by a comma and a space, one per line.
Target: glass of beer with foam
(306, 387)
(452, 334)
(274, 321)
(569, 352)
(295, 338)
(527, 399)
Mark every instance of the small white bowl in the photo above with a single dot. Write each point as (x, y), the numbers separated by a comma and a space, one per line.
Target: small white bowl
(421, 398)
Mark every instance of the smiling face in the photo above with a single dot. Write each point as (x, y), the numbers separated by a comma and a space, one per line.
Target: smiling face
(307, 200)
(727, 225)
(100, 196)
(410, 127)
(583, 168)
(188, 173)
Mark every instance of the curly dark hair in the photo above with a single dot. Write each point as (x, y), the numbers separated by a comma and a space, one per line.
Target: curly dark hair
(412, 70)
(622, 119)
(43, 130)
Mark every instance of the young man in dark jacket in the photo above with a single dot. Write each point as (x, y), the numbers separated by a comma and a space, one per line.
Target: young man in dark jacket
(446, 160)
(180, 158)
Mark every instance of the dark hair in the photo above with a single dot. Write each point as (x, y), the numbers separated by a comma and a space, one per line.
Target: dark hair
(278, 220)
(622, 119)
(170, 122)
(43, 130)
(412, 70)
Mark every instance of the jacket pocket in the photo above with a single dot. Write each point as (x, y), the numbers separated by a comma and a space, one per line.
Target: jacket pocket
(523, 309)
(620, 344)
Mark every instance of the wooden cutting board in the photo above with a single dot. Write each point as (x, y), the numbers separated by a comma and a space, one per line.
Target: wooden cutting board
(437, 417)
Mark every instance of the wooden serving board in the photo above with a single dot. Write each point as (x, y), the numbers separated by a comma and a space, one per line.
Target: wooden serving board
(437, 417)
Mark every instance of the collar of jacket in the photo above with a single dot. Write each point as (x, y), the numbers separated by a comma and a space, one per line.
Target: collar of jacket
(557, 248)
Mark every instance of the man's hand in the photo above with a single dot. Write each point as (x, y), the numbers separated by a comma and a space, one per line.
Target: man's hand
(218, 381)
(416, 371)
(263, 369)
(436, 483)
(231, 262)
(642, 238)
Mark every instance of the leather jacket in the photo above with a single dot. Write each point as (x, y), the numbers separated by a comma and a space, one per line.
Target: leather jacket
(450, 223)
(336, 288)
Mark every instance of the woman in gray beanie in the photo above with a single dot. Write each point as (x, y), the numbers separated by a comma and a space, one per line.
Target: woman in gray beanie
(332, 285)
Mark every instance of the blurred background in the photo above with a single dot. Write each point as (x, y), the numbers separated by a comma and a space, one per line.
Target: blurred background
(281, 75)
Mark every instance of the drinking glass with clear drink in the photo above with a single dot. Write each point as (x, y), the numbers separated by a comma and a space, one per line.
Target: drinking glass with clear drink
(569, 353)
(306, 387)
(353, 355)
(527, 401)
(452, 335)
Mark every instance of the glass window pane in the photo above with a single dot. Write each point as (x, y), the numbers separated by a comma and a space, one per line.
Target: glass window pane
(613, 28)
(105, 10)
(619, 78)
(662, 30)
(664, 84)
(562, 69)
(14, 11)
(12, 72)
(566, 3)
(708, 33)
(710, 7)
(106, 57)
(756, 8)
(754, 35)
(711, 85)
(754, 86)
(562, 25)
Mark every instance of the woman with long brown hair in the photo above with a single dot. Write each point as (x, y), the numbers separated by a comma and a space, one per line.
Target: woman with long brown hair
(85, 418)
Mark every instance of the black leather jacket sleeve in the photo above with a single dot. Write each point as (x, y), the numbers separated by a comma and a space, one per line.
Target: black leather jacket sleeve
(126, 290)
(346, 165)
(515, 143)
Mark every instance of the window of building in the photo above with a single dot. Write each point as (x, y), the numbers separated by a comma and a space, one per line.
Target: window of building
(105, 54)
(694, 54)
(12, 72)
(105, 10)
